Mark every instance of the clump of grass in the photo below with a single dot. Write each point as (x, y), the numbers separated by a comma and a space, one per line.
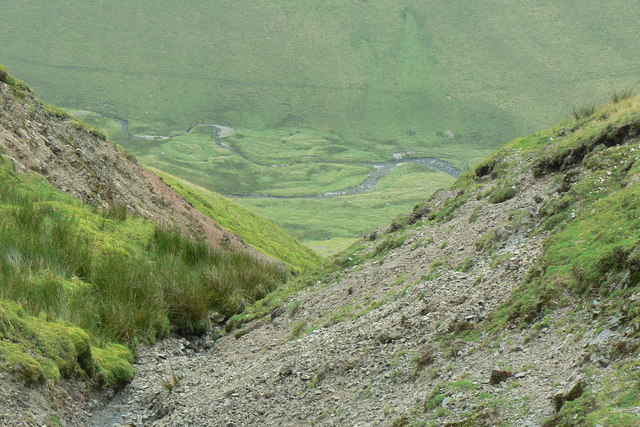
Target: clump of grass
(466, 265)
(171, 382)
(388, 244)
(39, 350)
(3, 73)
(621, 95)
(293, 308)
(503, 194)
(583, 111)
(56, 112)
(400, 222)
(19, 86)
(298, 329)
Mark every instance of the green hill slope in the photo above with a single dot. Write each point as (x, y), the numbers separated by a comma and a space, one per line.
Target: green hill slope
(121, 279)
(361, 68)
(255, 230)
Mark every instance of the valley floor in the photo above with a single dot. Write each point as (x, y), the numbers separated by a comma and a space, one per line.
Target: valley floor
(379, 344)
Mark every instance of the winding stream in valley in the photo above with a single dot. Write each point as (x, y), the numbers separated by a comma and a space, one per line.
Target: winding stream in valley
(380, 169)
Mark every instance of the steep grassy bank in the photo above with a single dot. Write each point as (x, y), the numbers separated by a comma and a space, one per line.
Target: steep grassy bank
(119, 278)
(82, 286)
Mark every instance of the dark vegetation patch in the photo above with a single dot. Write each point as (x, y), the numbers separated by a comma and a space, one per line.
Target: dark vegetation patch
(503, 193)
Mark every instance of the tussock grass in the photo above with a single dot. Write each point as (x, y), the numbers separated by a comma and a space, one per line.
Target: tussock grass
(170, 382)
(115, 276)
(621, 95)
(298, 329)
(502, 194)
(583, 111)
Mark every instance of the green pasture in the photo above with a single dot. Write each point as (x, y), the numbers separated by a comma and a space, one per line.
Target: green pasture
(332, 224)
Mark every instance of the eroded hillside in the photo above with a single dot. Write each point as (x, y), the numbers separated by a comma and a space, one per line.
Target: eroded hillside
(98, 255)
(76, 159)
(510, 299)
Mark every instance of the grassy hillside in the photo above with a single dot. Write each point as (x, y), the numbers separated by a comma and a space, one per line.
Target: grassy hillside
(328, 85)
(78, 283)
(256, 230)
(360, 68)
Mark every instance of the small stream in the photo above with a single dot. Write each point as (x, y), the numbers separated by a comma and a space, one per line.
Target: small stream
(379, 171)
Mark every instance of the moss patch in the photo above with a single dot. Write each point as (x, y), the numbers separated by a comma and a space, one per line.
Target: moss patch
(40, 350)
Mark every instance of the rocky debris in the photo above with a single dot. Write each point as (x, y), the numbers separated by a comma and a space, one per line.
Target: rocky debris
(384, 343)
(24, 404)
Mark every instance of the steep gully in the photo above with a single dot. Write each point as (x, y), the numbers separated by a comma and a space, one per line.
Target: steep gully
(380, 169)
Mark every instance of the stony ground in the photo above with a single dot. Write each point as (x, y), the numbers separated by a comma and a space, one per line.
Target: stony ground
(378, 342)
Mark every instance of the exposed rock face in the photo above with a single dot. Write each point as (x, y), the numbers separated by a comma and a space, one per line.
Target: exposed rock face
(79, 162)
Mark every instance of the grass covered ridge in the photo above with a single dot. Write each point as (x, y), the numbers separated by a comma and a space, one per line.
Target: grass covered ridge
(594, 242)
(256, 230)
(89, 282)
(593, 249)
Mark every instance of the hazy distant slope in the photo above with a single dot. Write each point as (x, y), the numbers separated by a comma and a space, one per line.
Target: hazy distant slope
(360, 68)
